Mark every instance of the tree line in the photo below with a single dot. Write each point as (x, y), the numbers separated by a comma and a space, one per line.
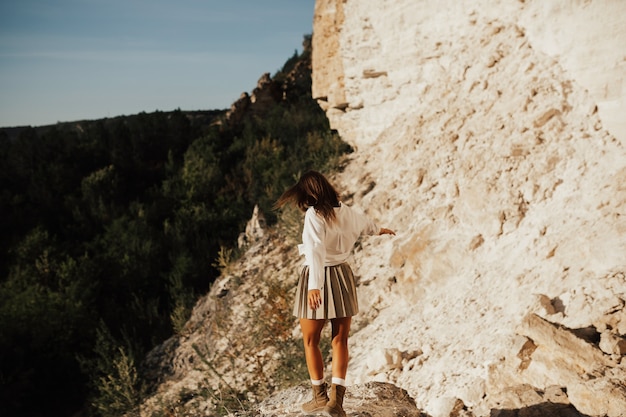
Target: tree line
(110, 230)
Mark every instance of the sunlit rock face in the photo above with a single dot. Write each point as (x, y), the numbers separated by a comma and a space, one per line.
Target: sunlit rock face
(369, 55)
(490, 135)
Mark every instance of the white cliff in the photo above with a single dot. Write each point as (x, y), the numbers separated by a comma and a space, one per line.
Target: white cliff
(491, 135)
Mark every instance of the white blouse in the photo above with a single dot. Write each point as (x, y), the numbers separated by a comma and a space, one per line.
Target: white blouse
(325, 244)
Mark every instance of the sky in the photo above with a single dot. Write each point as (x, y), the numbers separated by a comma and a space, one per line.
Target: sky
(70, 60)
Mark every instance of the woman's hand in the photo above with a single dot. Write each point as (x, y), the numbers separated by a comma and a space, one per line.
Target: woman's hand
(384, 231)
(315, 299)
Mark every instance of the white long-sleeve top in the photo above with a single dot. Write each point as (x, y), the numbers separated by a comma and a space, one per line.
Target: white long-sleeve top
(325, 244)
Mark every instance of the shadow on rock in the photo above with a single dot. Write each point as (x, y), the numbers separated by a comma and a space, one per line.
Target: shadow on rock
(541, 410)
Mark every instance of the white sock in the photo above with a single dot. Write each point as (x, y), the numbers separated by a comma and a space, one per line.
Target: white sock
(317, 381)
(339, 381)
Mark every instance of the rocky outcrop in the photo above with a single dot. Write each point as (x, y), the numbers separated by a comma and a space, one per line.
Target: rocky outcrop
(255, 229)
(269, 91)
(554, 356)
(369, 54)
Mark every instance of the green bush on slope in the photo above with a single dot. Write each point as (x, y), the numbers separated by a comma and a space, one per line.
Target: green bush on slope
(115, 224)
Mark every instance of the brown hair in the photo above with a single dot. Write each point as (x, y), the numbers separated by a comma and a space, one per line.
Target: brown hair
(312, 190)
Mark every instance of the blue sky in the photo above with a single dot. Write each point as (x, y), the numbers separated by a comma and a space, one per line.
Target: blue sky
(68, 60)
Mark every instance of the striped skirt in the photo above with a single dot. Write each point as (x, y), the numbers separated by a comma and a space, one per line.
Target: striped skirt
(339, 297)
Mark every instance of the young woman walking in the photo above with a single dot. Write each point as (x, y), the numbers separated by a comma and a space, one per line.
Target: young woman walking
(326, 289)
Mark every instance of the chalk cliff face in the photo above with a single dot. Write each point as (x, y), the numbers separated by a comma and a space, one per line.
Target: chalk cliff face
(385, 53)
(491, 136)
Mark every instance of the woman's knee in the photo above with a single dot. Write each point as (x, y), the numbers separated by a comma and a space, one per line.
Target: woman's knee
(341, 327)
(339, 341)
(311, 340)
(311, 332)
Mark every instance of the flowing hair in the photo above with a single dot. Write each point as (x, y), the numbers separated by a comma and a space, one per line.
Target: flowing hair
(312, 190)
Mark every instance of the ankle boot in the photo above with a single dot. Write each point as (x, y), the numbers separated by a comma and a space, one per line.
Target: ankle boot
(320, 398)
(334, 408)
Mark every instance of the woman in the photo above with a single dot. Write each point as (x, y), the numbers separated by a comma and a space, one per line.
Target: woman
(326, 290)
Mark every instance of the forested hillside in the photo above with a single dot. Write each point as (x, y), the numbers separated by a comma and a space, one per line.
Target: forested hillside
(111, 229)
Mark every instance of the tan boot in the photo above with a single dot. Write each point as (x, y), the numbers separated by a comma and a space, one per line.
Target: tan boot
(320, 398)
(334, 408)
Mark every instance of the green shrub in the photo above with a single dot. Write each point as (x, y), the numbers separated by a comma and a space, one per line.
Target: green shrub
(117, 223)
(116, 389)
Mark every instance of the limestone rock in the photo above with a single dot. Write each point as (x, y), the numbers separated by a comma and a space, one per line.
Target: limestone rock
(524, 400)
(265, 94)
(269, 91)
(579, 356)
(255, 229)
(554, 354)
(612, 344)
(499, 157)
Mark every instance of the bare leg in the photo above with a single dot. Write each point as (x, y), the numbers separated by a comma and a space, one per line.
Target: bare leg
(311, 333)
(341, 330)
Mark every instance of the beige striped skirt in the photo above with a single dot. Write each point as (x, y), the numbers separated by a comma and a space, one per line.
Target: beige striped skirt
(339, 297)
